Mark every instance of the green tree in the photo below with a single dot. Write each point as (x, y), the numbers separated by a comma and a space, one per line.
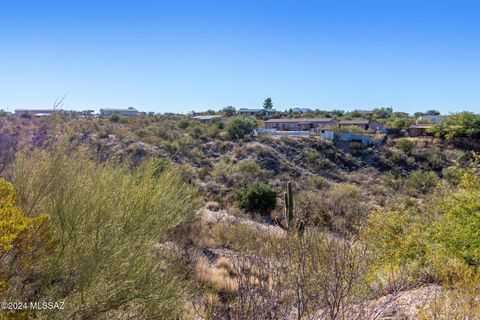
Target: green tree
(337, 112)
(433, 112)
(463, 124)
(267, 104)
(382, 113)
(459, 225)
(401, 123)
(229, 111)
(257, 198)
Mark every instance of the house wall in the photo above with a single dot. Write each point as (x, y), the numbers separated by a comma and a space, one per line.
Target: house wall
(293, 125)
(323, 124)
(282, 125)
(416, 132)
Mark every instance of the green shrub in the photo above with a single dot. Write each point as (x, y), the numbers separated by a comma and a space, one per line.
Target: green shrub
(257, 198)
(115, 117)
(345, 207)
(422, 181)
(459, 224)
(310, 155)
(437, 240)
(183, 124)
(325, 163)
(464, 124)
(410, 161)
(453, 174)
(434, 158)
(397, 238)
(317, 181)
(406, 145)
(401, 123)
(223, 171)
(196, 131)
(393, 181)
(105, 219)
(142, 133)
(395, 156)
(248, 171)
(237, 128)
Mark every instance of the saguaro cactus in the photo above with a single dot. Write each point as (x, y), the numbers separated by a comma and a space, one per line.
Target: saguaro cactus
(290, 223)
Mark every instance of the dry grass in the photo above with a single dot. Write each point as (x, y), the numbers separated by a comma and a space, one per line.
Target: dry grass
(215, 277)
(212, 205)
(224, 263)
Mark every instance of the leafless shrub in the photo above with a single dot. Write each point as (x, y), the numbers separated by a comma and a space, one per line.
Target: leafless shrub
(311, 277)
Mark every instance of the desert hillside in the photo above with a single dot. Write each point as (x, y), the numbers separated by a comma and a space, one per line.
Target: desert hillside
(135, 217)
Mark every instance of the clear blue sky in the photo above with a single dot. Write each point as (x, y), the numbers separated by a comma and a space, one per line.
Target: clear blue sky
(175, 56)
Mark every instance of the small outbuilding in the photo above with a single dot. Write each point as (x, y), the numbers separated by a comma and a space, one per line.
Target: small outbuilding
(417, 130)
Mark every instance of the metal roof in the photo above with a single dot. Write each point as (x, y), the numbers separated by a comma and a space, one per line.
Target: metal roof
(354, 122)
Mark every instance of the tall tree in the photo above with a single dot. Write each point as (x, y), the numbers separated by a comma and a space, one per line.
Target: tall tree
(433, 112)
(229, 111)
(267, 104)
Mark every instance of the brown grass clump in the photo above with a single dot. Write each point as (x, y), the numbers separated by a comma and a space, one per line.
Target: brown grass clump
(217, 278)
(224, 263)
(212, 205)
(211, 299)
